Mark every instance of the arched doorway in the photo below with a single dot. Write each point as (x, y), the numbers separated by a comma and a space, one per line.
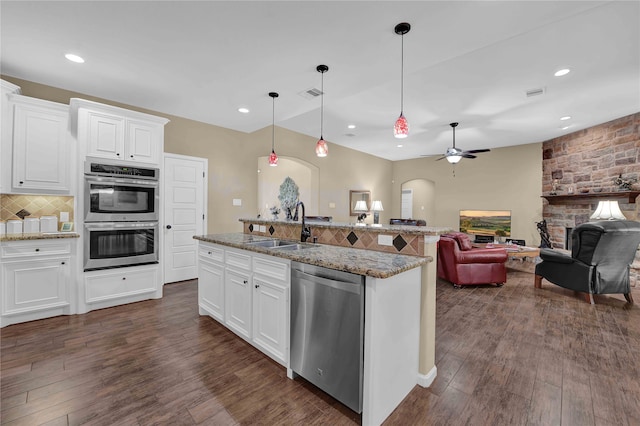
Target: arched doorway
(418, 200)
(305, 175)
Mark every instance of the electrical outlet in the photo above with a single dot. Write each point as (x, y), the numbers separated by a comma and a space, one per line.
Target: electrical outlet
(64, 216)
(332, 205)
(237, 201)
(385, 240)
(262, 228)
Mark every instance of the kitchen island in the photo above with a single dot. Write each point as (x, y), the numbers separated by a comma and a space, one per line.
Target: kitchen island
(394, 305)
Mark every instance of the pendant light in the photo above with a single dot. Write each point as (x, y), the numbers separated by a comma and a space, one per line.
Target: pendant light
(321, 147)
(401, 128)
(273, 158)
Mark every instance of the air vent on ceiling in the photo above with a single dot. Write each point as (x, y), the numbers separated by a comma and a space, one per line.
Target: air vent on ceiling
(535, 92)
(311, 93)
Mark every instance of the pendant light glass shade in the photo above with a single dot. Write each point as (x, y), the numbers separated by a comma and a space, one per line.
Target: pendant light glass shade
(321, 146)
(273, 157)
(401, 128)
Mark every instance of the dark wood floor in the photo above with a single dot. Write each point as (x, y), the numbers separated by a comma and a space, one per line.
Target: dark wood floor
(505, 356)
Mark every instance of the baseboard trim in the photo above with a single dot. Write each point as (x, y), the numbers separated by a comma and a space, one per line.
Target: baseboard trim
(425, 380)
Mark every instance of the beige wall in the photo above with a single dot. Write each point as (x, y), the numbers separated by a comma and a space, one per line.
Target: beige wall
(233, 162)
(505, 179)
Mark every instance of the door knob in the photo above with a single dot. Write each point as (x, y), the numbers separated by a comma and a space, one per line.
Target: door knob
(168, 226)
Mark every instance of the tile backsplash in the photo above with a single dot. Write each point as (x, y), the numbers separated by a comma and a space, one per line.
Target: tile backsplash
(36, 205)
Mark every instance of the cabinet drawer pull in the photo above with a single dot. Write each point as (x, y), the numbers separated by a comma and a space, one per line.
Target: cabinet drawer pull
(21, 182)
(117, 154)
(131, 156)
(37, 249)
(257, 286)
(62, 263)
(245, 282)
(124, 278)
(208, 252)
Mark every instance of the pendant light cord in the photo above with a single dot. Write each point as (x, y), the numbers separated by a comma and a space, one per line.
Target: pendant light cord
(321, 104)
(402, 75)
(273, 123)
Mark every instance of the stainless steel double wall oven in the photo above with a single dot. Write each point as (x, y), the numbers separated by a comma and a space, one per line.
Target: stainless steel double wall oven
(121, 214)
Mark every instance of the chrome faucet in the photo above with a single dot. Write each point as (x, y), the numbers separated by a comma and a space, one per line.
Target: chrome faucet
(306, 231)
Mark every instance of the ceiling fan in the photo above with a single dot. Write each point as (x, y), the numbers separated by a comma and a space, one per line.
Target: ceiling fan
(453, 155)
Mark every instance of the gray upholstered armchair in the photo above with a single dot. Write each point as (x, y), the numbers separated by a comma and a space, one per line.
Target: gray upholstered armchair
(601, 254)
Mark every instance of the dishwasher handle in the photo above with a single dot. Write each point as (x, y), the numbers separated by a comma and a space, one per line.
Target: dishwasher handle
(333, 283)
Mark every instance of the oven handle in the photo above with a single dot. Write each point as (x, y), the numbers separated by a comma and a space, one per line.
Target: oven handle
(103, 179)
(91, 226)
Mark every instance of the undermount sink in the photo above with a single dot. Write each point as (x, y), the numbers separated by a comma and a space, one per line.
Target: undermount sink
(295, 246)
(272, 243)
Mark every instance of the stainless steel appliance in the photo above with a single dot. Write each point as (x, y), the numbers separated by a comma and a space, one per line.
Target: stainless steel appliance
(119, 193)
(327, 330)
(117, 244)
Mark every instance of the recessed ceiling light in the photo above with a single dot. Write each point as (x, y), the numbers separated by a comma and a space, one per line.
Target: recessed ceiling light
(351, 126)
(566, 117)
(243, 110)
(562, 72)
(74, 58)
(399, 145)
(565, 127)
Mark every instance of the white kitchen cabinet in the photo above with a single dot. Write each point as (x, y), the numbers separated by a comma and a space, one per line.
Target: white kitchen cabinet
(255, 296)
(112, 287)
(270, 326)
(211, 281)
(237, 302)
(36, 280)
(118, 134)
(41, 146)
(6, 134)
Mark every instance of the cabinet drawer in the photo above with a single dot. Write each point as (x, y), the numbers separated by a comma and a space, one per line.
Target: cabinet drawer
(113, 285)
(271, 268)
(238, 260)
(34, 249)
(211, 253)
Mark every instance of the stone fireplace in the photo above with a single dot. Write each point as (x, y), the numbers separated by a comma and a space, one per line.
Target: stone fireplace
(581, 167)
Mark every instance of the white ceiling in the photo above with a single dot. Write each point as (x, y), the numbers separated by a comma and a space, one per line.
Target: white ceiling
(465, 61)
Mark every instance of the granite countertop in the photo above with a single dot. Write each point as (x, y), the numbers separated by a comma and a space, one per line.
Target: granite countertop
(358, 261)
(381, 228)
(38, 236)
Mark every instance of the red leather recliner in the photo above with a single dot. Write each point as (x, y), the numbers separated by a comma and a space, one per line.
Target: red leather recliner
(462, 264)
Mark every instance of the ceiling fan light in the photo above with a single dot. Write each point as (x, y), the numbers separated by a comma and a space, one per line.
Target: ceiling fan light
(273, 159)
(321, 148)
(401, 128)
(453, 159)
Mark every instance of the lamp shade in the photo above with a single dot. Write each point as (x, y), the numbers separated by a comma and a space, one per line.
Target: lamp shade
(361, 206)
(377, 206)
(608, 210)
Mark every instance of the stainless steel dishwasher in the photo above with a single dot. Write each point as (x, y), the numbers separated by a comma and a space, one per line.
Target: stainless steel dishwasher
(327, 330)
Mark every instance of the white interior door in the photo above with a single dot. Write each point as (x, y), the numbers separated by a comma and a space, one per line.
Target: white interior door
(184, 215)
(407, 204)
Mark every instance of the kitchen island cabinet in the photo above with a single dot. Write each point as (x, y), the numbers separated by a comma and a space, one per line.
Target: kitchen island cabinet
(393, 286)
(248, 293)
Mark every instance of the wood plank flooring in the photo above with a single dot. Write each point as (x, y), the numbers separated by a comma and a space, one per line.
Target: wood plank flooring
(513, 355)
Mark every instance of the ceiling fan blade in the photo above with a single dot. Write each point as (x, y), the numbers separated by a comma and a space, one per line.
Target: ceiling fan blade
(441, 158)
(467, 155)
(476, 151)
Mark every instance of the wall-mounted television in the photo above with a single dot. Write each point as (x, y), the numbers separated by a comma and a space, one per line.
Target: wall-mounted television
(486, 222)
